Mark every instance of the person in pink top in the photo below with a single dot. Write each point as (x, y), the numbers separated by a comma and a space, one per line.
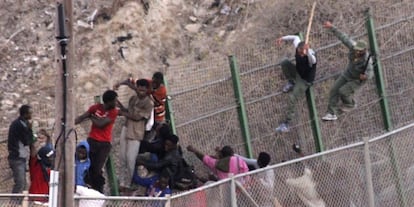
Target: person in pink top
(225, 163)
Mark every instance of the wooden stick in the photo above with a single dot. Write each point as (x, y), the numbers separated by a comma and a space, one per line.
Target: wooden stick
(310, 23)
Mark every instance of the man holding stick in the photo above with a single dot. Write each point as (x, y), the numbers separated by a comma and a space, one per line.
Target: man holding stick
(300, 75)
(358, 71)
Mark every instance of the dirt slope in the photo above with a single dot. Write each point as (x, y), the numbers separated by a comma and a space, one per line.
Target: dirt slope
(169, 32)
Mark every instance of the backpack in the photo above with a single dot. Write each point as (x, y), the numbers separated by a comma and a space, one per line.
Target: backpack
(185, 178)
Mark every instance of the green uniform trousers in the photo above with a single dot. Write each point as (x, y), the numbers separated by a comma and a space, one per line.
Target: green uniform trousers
(344, 89)
(289, 70)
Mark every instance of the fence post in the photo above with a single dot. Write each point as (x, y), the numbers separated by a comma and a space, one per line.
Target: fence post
(368, 173)
(168, 203)
(235, 74)
(233, 197)
(313, 115)
(53, 188)
(25, 200)
(378, 71)
(169, 111)
(384, 103)
(112, 176)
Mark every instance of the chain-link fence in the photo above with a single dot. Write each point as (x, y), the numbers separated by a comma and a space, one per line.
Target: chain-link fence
(206, 109)
(369, 173)
(339, 177)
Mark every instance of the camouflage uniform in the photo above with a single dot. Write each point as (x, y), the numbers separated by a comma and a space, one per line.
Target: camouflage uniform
(349, 81)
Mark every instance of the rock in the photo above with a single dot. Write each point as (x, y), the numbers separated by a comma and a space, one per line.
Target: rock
(88, 86)
(193, 28)
(221, 33)
(6, 103)
(192, 18)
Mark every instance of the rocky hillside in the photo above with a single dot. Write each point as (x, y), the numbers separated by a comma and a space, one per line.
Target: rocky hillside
(116, 37)
(112, 38)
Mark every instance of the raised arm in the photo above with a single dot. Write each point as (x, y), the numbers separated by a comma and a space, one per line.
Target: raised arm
(128, 82)
(340, 35)
(197, 152)
(294, 38)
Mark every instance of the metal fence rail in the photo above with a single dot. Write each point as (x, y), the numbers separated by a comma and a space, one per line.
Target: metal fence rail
(337, 177)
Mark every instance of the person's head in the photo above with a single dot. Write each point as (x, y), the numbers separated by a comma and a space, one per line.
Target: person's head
(171, 142)
(81, 153)
(157, 79)
(142, 87)
(360, 48)
(43, 136)
(109, 98)
(163, 181)
(226, 151)
(45, 155)
(163, 130)
(301, 49)
(25, 112)
(263, 160)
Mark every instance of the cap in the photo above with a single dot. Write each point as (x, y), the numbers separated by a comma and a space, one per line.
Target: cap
(360, 45)
(45, 152)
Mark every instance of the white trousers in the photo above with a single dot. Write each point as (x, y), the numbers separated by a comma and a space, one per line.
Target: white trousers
(129, 150)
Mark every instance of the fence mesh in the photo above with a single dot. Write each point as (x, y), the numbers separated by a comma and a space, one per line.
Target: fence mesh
(262, 81)
(338, 177)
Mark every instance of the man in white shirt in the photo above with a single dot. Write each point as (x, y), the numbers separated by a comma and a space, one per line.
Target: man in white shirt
(300, 75)
(265, 178)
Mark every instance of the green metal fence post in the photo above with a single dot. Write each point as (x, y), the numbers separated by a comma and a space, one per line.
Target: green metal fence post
(169, 111)
(113, 181)
(241, 109)
(384, 104)
(313, 115)
(378, 71)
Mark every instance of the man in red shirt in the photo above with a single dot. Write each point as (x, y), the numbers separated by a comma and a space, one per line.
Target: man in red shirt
(100, 136)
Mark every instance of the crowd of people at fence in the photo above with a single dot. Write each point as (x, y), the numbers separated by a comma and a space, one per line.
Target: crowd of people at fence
(150, 155)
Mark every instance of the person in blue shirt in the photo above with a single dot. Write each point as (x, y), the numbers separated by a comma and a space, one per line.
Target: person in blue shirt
(160, 188)
(82, 162)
